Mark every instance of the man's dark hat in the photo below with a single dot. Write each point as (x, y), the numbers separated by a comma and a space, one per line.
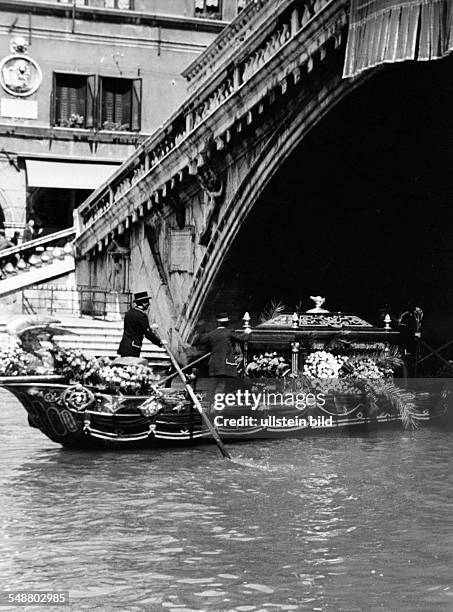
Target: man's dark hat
(141, 296)
(222, 317)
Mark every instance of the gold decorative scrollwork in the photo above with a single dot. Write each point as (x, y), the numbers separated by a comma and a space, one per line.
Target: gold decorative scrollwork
(77, 398)
(51, 397)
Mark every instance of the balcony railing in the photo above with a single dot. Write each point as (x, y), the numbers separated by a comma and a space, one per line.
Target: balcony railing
(124, 5)
(67, 301)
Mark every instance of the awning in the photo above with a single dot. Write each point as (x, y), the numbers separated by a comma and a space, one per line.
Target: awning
(67, 175)
(389, 31)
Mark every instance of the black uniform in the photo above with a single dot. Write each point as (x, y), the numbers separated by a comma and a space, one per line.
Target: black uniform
(136, 326)
(221, 344)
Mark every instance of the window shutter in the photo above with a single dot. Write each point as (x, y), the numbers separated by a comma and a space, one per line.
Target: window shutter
(107, 103)
(120, 115)
(108, 106)
(100, 104)
(63, 103)
(79, 107)
(90, 103)
(53, 101)
(136, 110)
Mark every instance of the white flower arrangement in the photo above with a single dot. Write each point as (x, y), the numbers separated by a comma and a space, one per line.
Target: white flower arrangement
(267, 365)
(322, 364)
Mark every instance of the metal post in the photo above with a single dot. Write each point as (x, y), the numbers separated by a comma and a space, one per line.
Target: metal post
(295, 357)
(245, 351)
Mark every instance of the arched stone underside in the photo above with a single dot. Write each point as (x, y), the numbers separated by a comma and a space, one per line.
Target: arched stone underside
(300, 117)
(261, 92)
(360, 212)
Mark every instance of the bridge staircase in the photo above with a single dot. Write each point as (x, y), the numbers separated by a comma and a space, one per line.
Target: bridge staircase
(100, 338)
(37, 261)
(29, 269)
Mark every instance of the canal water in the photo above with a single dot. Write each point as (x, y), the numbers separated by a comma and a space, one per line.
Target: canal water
(324, 523)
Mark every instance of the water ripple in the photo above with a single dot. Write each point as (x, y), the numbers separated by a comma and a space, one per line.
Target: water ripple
(324, 523)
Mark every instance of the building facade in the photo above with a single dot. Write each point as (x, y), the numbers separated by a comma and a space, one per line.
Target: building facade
(83, 82)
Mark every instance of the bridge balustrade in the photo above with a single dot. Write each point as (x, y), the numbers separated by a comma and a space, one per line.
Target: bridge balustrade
(36, 253)
(177, 147)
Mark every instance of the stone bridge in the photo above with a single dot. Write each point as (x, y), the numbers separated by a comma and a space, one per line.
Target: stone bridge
(166, 220)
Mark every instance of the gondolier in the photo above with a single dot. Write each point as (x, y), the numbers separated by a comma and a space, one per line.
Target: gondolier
(136, 327)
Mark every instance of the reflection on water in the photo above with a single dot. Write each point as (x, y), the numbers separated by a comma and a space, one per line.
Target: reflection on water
(330, 523)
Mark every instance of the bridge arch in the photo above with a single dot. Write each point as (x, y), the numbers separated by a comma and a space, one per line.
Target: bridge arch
(278, 148)
(267, 165)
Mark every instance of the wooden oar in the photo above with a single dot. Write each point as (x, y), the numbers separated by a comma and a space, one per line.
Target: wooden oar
(189, 365)
(198, 406)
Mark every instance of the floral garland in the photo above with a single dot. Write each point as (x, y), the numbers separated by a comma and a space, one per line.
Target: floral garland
(322, 364)
(124, 380)
(77, 368)
(267, 365)
(325, 365)
(15, 362)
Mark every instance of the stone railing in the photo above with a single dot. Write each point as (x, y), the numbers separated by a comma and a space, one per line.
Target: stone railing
(36, 253)
(177, 148)
(248, 20)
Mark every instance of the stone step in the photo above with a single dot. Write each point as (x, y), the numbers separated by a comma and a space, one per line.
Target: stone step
(99, 338)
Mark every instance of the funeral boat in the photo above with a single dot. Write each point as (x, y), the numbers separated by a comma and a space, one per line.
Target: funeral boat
(318, 372)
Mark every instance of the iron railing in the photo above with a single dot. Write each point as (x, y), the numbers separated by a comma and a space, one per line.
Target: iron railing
(83, 300)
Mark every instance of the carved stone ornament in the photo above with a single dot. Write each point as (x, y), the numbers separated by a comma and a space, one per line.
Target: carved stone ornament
(18, 45)
(20, 75)
(210, 182)
(212, 185)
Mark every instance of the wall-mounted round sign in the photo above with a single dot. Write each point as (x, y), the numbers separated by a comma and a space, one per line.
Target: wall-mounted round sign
(20, 75)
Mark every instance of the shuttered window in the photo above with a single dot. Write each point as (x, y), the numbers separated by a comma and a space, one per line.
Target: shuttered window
(120, 104)
(208, 9)
(72, 104)
(119, 4)
(88, 101)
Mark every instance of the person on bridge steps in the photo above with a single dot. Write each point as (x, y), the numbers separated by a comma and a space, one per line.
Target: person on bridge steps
(29, 231)
(136, 327)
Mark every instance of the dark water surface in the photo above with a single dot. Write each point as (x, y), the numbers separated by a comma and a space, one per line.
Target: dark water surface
(330, 523)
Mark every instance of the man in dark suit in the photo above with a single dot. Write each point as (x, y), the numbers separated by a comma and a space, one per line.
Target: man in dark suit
(136, 326)
(222, 364)
(220, 342)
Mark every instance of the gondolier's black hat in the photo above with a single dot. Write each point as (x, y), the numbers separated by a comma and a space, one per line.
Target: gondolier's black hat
(141, 297)
(222, 317)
